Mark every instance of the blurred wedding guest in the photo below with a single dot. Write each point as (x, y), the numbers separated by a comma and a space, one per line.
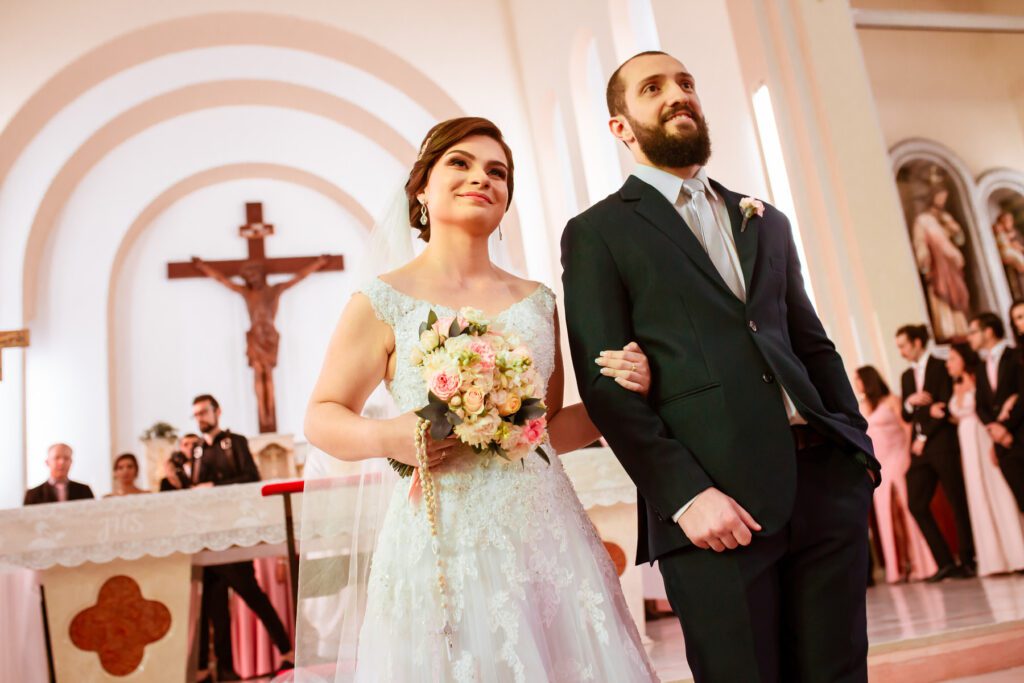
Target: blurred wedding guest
(891, 437)
(178, 467)
(935, 451)
(995, 520)
(58, 488)
(126, 471)
(999, 388)
(221, 458)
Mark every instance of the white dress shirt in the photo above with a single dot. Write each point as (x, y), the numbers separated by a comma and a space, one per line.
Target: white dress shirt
(671, 187)
(992, 358)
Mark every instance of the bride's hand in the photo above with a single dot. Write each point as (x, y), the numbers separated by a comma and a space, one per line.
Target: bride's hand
(628, 367)
(401, 445)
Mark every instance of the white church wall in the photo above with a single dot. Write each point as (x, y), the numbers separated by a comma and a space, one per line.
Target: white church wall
(175, 339)
(66, 397)
(957, 89)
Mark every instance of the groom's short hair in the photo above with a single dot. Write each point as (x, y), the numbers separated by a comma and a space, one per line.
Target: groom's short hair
(615, 95)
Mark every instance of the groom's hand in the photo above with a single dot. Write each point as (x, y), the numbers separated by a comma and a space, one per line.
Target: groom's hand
(718, 522)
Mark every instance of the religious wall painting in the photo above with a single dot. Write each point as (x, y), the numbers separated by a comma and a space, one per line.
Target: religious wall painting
(947, 254)
(1002, 193)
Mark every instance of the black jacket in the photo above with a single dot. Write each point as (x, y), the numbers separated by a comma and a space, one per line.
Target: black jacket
(226, 461)
(1009, 381)
(940, 432)
(633, 270)
(47, 493)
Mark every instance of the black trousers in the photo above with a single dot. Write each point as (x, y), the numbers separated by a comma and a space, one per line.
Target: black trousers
(790, 606)
(1012, 465)
(241, 578)
(928, 470)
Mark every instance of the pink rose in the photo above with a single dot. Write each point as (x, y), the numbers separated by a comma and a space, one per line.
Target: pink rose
(445, 383)
(534, 430)
(485, 362)
(473, 401)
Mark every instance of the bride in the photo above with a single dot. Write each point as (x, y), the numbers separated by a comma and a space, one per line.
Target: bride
(531, 592)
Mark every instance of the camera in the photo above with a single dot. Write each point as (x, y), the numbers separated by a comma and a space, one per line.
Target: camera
(178, 460)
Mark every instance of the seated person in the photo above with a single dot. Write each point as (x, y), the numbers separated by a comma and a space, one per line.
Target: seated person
(58, 488)
(126, 471)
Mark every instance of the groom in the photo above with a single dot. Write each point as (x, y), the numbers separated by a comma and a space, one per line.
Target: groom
(749, 454)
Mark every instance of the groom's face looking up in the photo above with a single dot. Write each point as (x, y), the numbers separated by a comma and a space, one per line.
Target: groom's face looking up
(655, 111)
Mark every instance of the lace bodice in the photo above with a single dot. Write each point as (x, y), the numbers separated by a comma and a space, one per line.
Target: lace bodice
(533, 593)
(531, 318)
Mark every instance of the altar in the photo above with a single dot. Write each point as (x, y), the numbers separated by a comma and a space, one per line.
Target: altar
(118, 573)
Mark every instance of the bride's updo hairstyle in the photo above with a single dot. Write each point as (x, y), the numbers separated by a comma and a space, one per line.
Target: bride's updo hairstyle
(439, 140)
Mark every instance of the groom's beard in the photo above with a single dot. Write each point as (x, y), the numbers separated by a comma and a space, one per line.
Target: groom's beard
(674, 150)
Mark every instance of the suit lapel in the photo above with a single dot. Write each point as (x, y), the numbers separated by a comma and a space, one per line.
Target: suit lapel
(657, 211)
(746, 239)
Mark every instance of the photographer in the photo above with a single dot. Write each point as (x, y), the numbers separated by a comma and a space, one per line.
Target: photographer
(178, 467)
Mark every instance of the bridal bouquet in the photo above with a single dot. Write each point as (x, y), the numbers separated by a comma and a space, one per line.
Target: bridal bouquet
(481, 386)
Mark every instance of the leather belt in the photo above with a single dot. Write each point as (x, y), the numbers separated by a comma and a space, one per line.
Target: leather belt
(806, 437)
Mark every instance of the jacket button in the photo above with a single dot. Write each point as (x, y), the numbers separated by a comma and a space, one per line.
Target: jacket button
(753, 326)
(768, 378)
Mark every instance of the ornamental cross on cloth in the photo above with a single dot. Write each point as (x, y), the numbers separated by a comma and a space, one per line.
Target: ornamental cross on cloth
(261, 298)
(14, 338)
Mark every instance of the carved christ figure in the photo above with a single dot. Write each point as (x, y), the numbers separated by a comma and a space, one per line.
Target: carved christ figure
(262, 300)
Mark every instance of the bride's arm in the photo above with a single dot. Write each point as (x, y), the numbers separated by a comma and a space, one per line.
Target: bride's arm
(570, 428)
(356, 362)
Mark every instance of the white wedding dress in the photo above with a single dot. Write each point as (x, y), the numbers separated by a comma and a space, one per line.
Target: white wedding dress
(533, 593)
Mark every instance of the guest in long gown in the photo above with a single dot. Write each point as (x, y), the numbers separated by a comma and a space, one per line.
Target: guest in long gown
(126, 471)
(891, 437)
(995, 520)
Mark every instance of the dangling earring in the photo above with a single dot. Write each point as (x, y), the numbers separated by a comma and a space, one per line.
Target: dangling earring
(423, 214)
(500, 236)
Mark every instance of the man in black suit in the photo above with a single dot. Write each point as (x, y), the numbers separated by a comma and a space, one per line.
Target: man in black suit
(935, 452)
(750, 456)
(223, 458)
(999, 379)
(58, 488)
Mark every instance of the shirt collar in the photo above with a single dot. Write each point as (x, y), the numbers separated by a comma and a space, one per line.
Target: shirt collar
(57, 482)
(922, 362)
(669, 185)
(996, 352)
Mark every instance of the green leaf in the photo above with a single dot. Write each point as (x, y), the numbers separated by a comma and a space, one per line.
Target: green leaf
(440, 429)
(431, 318)
(454, 419)
(541, 453)
(400, 467)
(454, 330)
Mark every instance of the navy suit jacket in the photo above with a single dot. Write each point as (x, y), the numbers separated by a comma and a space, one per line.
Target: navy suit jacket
(633, 270)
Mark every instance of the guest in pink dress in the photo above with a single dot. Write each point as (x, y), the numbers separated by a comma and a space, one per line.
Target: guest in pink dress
(891, 437)
(995, 519)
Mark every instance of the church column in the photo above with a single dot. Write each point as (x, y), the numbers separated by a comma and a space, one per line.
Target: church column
(858, 255)
(12, 429)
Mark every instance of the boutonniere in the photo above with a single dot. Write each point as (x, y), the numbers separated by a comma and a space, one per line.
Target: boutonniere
(750, 207)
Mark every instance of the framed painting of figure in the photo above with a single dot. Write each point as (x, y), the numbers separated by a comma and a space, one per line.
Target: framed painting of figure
(945, 250)
(1002, 192)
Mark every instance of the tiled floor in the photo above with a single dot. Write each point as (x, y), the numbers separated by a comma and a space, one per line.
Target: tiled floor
(895, 613)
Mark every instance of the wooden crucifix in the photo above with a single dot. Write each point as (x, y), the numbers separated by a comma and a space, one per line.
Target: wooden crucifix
(12, 339)
(261, 298)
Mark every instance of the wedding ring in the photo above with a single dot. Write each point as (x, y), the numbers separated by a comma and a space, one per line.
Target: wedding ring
(633, 367)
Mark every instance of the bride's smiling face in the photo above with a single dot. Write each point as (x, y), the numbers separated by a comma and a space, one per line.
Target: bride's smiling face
(468, 186)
